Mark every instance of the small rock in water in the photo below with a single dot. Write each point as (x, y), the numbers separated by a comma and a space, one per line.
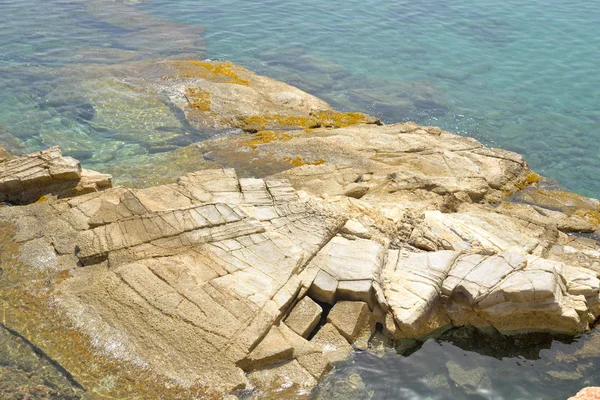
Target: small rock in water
(565, 375)
(350, 387)
(472, 381)
(439, 381)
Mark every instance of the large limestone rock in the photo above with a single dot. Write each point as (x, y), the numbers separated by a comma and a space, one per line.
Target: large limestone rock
(217, 95)
(189, 272)
(509, 291)
(212, 95)
(401, 162)
(137, 116)
(220, 268)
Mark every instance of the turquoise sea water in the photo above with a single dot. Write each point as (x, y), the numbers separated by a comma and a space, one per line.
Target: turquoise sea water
(520, 75)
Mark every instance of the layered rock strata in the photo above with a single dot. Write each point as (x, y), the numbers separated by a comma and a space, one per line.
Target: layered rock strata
(223, 283)
(224, 269)
(25, 179)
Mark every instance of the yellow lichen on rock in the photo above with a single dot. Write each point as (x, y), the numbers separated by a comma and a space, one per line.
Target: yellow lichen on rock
(263, 137)
(198, 99)
(298, 161)
(591, 216)
(530, 179)
(323, 119)
(565, 201)
(214, 71)
(45, 198)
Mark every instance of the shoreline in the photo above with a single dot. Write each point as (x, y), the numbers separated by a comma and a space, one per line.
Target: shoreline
(88, 141)
(358, 215)
(275, 238)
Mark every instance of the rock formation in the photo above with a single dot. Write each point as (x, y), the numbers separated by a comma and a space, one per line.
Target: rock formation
(220, 282)
(25, 179)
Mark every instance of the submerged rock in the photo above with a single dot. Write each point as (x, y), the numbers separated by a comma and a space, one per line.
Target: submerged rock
(26, 374)
(473, 381)
(351, 387)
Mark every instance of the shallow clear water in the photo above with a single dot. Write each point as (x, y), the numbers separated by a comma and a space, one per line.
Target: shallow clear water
(517, 75)
(521, 75)
(25, 373)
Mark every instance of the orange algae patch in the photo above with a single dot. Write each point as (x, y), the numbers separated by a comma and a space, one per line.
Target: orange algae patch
(214, 71)
(263, 137)
(198, 99)
(298, 161)
(323, 119)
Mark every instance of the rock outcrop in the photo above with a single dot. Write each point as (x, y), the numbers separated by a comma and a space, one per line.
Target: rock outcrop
(509, 291)
(219, 95)
(218, 268)
(24, 180)
(218, 282)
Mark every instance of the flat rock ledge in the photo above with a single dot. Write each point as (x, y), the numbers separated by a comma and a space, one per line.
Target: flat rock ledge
(234, 283)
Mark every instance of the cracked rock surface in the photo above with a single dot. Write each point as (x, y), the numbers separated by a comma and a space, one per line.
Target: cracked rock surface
(214, 280)
(222, 282)
(25, 179)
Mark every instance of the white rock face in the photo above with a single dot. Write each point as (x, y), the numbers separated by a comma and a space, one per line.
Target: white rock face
(510, 291)
(347, 270)
(412, 285)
